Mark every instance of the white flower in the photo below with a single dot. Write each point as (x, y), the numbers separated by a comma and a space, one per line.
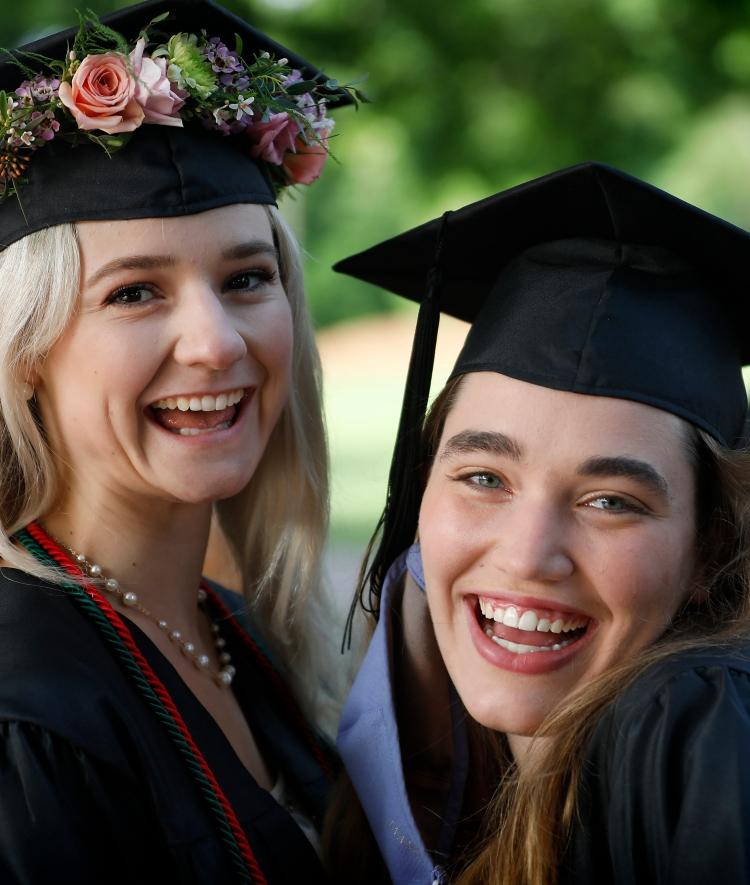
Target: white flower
(242, 106)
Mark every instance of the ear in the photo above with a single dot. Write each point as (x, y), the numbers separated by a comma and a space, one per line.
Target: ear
(28, 382)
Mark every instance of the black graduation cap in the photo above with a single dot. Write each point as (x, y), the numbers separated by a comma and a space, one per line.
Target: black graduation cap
(587, 280)
(163, 170)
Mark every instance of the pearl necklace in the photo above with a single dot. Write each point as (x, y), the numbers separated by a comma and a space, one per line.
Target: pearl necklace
(222, 677)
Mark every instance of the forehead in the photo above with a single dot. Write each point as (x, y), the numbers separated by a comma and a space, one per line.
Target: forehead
(559, 426)
(238, 222)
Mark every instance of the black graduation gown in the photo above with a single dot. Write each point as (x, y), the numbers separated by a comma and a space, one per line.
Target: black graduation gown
(665, 795)
(92, 789)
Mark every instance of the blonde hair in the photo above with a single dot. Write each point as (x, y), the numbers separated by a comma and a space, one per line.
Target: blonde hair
(276, 526)
(529, 820)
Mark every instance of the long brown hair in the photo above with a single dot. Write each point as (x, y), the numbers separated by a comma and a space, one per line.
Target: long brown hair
(527, 823)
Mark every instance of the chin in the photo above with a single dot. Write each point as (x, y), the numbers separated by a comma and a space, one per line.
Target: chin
(208, 492)
(503, 713)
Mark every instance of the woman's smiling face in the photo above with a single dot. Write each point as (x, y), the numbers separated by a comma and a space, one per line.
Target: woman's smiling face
(174, 370)
(557, 534)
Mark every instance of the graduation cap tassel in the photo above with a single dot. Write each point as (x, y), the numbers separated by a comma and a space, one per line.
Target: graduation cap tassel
(399, 520)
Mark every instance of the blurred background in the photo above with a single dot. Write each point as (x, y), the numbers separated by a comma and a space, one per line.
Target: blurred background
(469, 97)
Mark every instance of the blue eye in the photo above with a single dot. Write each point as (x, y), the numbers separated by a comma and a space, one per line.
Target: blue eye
(487, 480)
(483, 480)
(127, 295)
(613, 504)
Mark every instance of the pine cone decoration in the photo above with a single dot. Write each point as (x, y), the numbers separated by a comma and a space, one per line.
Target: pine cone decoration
(12, 165)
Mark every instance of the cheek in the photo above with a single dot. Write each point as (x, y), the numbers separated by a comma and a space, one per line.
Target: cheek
(271, 341)
(447, 549)
(648, 580)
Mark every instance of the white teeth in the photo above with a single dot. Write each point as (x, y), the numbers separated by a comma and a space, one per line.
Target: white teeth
(510, 618)
(528, 619)
(522, 649)
(195, 431)
(206, 403)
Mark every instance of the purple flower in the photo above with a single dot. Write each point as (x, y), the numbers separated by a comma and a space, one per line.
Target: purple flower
(236, 82)
(221, 59)
(292, 78)
(314, 112)
(46, 127)
(222, 120)
(41, 88)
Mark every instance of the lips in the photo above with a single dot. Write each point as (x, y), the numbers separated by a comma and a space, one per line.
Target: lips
(526, 638)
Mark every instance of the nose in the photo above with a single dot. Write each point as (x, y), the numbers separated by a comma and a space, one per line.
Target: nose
(207, 334)
(532, 543)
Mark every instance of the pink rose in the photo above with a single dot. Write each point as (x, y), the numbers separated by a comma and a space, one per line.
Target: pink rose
(304, 165)
(101, 95)
(153, 90)
(273, 139)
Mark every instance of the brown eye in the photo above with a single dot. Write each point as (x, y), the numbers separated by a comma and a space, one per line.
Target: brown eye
(131, 295)
(127, 295)
(249, 280)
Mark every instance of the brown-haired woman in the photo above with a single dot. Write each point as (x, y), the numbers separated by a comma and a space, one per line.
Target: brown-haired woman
(583, 545)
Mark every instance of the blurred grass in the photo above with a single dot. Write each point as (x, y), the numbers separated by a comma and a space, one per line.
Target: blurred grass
(361, 430)
(364, 366)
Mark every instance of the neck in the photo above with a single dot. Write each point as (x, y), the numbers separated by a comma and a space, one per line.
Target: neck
(156, 551)
(526, 749)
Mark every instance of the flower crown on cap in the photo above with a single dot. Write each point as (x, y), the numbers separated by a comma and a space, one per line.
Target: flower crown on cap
(105, 89)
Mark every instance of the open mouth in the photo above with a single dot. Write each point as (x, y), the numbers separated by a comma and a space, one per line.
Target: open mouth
(195, 415)
(522, 630)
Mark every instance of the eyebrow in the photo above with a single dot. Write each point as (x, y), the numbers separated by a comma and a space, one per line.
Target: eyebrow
(250, 249)
(489, 442)
(630, 468)
(494, 443)
(155, 262)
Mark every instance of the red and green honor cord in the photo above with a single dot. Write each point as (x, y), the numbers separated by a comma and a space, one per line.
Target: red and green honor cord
(115, 632)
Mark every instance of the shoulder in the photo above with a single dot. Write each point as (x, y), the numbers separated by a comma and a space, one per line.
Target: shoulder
(56, 671)
(63, 809)
(693, 690)
(672, 745)
(696, 702)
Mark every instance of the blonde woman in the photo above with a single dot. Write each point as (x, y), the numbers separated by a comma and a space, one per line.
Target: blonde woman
(157, 367)
(581, 502)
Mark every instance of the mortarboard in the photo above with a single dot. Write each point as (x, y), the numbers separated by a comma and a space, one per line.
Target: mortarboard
(587, 280)
(162, 170)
